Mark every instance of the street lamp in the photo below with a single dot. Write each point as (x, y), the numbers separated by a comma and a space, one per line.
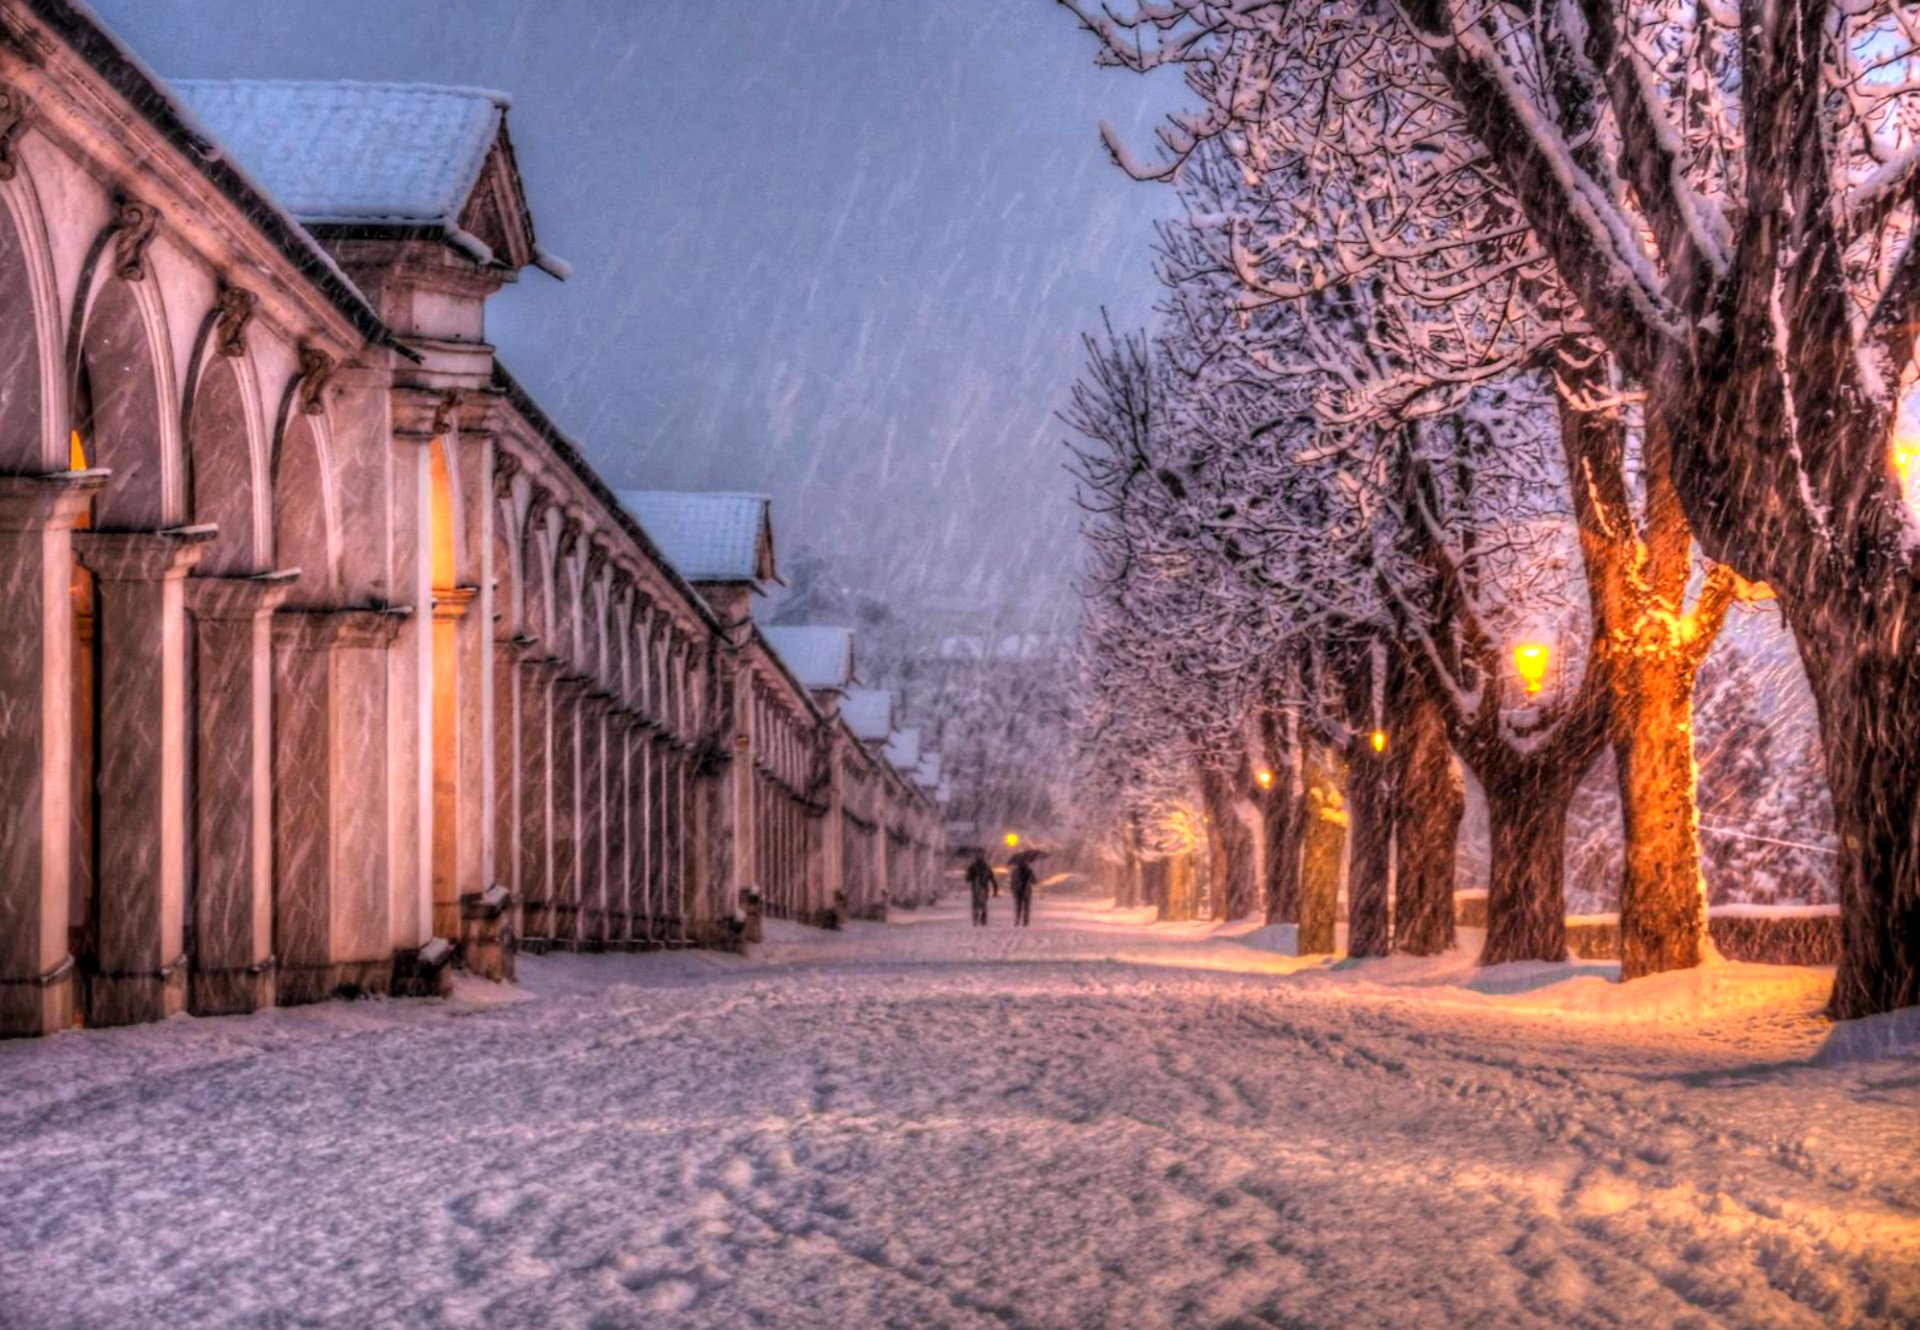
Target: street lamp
(1379, 741)
(1264, 778)
(1531, 660)
(1013, 839)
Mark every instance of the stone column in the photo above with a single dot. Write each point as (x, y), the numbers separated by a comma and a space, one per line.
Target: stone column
(660, 873)
(37, 516)
(233, 961)
(507, 727)
(593, 820)
(568, 693)
(140, 969)
(617, 837)
(333, 895)
(537, 678)
(451, 877)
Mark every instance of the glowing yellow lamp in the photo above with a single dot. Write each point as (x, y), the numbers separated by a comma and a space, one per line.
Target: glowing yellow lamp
(1531, 659)
(1906, 456)
(1264, 778)
(1013, 839)
(1379, 741)
(76, 452)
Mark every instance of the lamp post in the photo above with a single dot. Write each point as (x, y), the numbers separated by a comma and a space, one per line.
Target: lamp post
(1263, 778)
(1379, 741)
(1532, 660)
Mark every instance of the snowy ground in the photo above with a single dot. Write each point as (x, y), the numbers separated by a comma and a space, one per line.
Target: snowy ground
(1095, 1123)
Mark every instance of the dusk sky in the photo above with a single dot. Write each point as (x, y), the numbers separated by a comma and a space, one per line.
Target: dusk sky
(839, 251)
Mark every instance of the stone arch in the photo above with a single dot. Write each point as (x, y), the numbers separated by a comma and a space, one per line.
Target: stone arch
(227, 470)
(508, 582)
(33, 429)
(536, 558)
(306, 518)
(122, 400)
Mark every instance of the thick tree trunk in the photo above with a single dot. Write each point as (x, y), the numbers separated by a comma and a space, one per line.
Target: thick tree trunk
(1663, 897)
(1369, 872)
(1234, 889)
(1868, 696)
(1153, 885)
(1526, 888)
(1323, 852)
(1432, 800)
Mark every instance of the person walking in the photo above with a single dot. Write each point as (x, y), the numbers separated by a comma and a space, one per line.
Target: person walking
(1020, 882)
(980, 881)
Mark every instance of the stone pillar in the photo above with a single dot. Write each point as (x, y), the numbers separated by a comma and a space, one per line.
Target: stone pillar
(593, 820)
(140, 969)
(233, 961)
(508, 779)
(619, 836)
(332, 921)
(537, 679)
(37, 516)
(661, 876)
(568, 693)
(451, 844)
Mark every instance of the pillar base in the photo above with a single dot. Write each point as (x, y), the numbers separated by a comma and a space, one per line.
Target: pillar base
(135, 999)
(486, 938)
(45, 1005)
(300, 985)
(424, 971)
(233, 992)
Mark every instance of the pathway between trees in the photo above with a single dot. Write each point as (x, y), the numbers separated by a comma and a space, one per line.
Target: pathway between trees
(1095, 1122)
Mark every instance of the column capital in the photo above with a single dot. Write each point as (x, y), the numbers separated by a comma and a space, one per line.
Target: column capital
(452, 602)
(239, 597)
(142, 556)
(54, 500)
(317, 630)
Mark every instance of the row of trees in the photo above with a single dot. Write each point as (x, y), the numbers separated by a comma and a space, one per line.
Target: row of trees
(1498, 324)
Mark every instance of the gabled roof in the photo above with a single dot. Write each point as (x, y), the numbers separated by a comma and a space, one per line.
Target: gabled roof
(350, 156)
(821, 658)
(868, 712)
(709, 537)
(903, 750)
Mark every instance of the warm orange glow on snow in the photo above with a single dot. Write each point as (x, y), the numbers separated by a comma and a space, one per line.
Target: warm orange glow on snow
(1379, 741)
(1531, 659)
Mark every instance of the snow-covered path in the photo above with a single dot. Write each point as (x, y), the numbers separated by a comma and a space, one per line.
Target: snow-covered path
(1096, 1123)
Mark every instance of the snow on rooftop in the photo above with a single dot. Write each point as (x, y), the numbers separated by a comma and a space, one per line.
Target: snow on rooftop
(903, 750)
(354, 152)
(820, 657)
(868, 712)
(709, 537)
(927, 774)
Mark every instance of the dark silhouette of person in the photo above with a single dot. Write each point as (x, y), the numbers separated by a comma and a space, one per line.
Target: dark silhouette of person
(980, 880)
(1020, 882)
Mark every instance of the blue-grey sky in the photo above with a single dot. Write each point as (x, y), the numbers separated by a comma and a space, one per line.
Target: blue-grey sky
(840, 251)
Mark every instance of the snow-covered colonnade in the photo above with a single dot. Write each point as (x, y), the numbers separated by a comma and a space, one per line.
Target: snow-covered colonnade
(327, 653)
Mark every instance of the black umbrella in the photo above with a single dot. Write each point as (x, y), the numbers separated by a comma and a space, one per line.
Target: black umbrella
(1026, 856)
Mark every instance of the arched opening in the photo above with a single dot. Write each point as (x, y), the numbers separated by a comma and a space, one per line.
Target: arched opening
(117, 415)
(301, 523)
(21, 397)
(221, 471)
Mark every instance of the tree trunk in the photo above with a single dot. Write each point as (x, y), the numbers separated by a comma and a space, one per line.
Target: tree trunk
(1281, 812)
(1868, 697)
(1234, 893)
(1153, 883)
(1370, 801)
(1432, 800)
(1527, 888)
(1663, 897)
(1323, 852)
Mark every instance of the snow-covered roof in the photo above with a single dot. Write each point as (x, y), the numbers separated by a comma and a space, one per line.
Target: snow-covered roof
(927, 774)
(903, 750)
(821, 658)
(709, 537)
(355, 152)
(868, 712)
(374, 154)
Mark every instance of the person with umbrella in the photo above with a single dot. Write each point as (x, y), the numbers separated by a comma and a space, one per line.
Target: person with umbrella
(980, 881)
(1020, 882)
